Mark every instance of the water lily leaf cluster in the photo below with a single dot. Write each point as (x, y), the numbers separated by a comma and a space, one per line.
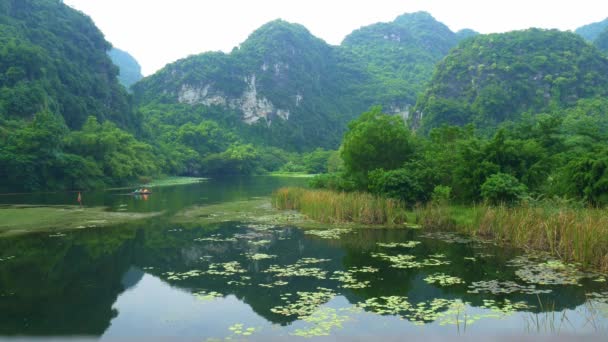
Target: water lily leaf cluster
(407, 261)
(443, 279)
(334, 233)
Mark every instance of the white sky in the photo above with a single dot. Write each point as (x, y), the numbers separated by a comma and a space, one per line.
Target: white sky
(157, 32)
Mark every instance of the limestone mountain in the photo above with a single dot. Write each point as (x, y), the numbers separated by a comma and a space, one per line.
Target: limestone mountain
(53, 57)
(128, 67)
(494, 78)
(285, 87)
(400, 57)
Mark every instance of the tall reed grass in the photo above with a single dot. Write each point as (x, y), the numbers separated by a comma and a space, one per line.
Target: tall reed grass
(572, 234)
(340, 207)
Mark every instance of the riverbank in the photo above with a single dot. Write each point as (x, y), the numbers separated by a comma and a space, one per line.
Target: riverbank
(577, 235)
(572, 234)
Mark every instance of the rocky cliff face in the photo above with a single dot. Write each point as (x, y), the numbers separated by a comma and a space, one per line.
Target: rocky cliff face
(304, 90)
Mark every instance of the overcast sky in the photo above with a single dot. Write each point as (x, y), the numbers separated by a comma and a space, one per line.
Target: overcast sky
(157, 32)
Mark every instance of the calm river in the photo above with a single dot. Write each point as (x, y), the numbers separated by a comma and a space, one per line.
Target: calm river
(240, 280)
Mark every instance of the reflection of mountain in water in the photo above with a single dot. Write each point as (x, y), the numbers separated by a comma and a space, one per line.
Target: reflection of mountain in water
(67, 286)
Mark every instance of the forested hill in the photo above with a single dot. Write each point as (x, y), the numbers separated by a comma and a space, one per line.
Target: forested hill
(64, 118)
(494, 78)
(399, 57)
(54, 58)
(287, 88)
(129, 68)
(281, 87)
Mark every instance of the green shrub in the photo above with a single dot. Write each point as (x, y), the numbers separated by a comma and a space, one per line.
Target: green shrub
(502, 188)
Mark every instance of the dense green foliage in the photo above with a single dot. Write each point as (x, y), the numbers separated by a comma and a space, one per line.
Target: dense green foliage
(128, 67)
(560, 153)
(591, 32)
(55, 75)
(53, 57)
(282, 99)
(490, 79)
(400, 57)
(375, 141)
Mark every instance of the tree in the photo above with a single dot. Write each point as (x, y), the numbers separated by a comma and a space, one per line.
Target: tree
(375, 141)
(502, 188)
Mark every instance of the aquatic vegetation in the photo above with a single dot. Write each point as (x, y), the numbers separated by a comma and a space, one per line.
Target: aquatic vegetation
(260, 242)
(339, 207)
(443, 279)
(275, 284)
(328, 233)
(240, 329)
(447, 237)
(470, 258)
(237, 283)
(503, 287)
(305, 304)
(207, 296)
(183, 275)
(7, 258)
(407, 261)
(570, 234)
(57, 235)
(445, 311)
(409, 244)
(364, 269)
(324, 320)
(535, 270)
(26, 219)
(297, 270)
(601, 297)
(216, 238)
(506, 307)
(225, 269)
(259, 256)
(419, 313)
(348, 280)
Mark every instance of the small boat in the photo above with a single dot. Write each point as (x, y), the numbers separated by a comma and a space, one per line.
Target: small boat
(141, 193)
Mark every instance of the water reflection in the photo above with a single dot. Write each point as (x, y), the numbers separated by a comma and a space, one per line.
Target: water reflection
(223, 279)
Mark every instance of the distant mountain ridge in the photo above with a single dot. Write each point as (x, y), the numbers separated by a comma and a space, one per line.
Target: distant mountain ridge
(296, 91)
(129, 69)
(591, 31)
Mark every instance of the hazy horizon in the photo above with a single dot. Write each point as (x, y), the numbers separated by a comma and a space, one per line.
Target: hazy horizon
(161, 32)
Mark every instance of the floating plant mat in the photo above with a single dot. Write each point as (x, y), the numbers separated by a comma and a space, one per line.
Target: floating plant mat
(408, 261)
(445, 311)
(443, 279)
(538, 269)
(219, 269)
(334, 233)
(348, 279)
(409, 244)
(300, 269)
(24, 219)
(449, 237)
